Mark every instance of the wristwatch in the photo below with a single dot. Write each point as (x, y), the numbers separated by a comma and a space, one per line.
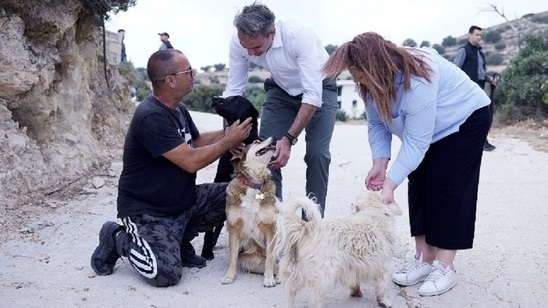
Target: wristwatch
(292, 140)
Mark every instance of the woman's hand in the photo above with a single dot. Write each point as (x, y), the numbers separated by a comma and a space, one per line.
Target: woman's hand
(376, 176)
(387, 192)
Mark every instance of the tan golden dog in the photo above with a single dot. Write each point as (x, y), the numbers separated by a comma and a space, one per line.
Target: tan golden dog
(250, 213)
(317, 254)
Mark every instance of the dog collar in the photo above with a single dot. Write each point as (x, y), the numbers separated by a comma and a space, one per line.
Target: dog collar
(250, 184)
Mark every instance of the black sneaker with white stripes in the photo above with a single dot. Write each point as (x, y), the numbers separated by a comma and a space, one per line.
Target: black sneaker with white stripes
(105, 255)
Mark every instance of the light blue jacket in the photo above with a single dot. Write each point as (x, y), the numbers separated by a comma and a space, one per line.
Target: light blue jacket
(426, 113)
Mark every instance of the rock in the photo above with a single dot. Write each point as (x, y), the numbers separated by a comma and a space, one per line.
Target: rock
(97, 182)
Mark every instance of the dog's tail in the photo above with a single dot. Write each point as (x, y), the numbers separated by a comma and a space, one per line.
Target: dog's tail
(291, 227)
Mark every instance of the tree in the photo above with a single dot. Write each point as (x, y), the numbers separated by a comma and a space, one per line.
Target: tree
(492, 37)
(522, 91)
(494, 8)
(449, 41)
(440, 49)
(331, 48)
(425, 44)
(409, 43)
(206, 68)
(493, 58)
(219, 67)
(254, 79)
(255, 94)
(253, 66)
(200, 98)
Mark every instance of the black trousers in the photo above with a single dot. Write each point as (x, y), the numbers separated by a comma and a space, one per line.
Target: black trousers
(443, 190)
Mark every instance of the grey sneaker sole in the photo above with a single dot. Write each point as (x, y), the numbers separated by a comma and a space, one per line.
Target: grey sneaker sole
(407, 284)
(438, 292)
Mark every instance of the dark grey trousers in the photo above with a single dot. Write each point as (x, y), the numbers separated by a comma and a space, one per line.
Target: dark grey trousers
(152, 244)
(278, 113)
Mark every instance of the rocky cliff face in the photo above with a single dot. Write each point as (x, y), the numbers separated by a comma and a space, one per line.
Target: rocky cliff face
(58, 117)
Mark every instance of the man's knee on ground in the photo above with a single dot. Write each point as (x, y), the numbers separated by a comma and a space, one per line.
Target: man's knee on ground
(167, 276)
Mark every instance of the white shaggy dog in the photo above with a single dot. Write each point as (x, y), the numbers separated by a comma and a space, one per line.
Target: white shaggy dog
(317, 254)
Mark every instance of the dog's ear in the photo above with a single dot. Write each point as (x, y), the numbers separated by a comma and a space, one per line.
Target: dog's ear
(236, 159)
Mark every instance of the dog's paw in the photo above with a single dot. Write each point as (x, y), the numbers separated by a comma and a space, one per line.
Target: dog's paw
(269, 282)
(227, 279)
(356, 291)
(385, 303)
(208, 255)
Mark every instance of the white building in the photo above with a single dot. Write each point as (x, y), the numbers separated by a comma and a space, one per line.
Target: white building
(348, 99)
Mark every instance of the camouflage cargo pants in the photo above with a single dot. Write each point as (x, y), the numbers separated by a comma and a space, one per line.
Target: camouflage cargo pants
(152, 243)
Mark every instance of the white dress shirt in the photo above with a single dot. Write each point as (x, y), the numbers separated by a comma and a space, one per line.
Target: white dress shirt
(295, 60)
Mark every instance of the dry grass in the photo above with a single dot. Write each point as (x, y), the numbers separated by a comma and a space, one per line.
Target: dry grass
(534, 133)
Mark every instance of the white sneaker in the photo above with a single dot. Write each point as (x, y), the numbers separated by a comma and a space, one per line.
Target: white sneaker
(413, 274)
(440, 280)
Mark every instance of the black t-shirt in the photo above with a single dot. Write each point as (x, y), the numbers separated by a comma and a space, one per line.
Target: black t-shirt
(150, 183)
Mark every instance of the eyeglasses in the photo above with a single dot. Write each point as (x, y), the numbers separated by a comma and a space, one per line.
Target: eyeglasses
(189, 71)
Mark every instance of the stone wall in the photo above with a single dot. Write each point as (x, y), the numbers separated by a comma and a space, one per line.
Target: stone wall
(58, 117)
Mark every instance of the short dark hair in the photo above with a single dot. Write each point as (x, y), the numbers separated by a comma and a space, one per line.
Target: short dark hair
(121, 30)
(472, 28)
(160, 64)
(255, 19)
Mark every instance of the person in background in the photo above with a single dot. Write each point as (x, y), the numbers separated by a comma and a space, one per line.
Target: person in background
(442, 119)
(297, 96)
(164, 37)
(471, 60)
(121, 36)
(161, 207)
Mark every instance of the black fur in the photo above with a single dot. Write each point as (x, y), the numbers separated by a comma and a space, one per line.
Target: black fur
(231, 109)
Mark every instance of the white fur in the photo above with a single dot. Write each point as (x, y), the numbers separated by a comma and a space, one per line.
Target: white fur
(317, 254)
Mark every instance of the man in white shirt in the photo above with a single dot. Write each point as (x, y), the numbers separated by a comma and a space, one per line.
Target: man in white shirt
(297, 96)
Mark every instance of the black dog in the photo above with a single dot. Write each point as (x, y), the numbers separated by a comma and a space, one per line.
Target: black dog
(231, 109)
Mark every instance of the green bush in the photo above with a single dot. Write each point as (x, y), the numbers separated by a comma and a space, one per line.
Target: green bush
(142, 93)
(425, 44)
(540, 19)
(440, 49)
(255, 79)
(493, 58)
(449, 41)
(409, 43)
(103, 9)
(462, 41)
(255, 94)
(500, 46)
(200, 98)
(341, 115)
(492, 37)
(449, 58)
(522, 92)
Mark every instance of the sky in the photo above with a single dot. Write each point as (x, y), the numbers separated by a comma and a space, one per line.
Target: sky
(202, 29)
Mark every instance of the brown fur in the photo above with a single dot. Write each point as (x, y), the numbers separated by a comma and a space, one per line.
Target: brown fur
(251, 215)
(318, 253)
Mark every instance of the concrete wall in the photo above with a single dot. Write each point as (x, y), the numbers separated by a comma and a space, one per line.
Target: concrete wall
(348, 98)
(114, 47)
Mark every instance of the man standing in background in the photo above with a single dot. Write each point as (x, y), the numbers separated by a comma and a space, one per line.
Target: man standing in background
(121, 36)
(471, 60)
(164, 37)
